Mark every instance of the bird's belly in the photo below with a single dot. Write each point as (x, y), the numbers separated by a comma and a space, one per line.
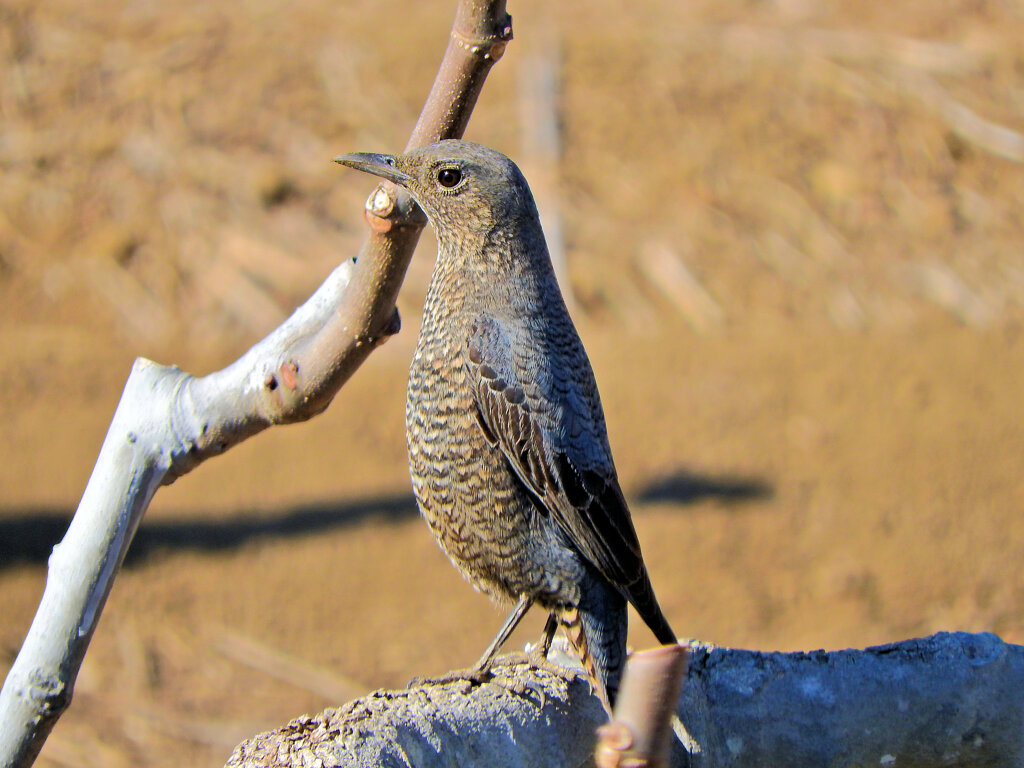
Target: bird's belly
(479, 511)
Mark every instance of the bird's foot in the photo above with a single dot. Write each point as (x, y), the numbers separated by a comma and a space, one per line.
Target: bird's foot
(504, 673)
(520, 682)
(520, 685)
(472, 675)
(537, 657)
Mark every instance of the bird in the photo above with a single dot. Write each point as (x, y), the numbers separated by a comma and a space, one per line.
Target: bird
(508, 449)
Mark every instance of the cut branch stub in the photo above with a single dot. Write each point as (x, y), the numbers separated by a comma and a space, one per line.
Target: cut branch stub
(639, 735)
(390, 206)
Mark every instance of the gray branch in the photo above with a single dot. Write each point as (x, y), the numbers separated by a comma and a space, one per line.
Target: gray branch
(166, 422)
(952, 699)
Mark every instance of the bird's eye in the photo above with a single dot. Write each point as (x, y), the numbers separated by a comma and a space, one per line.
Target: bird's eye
(449, 177)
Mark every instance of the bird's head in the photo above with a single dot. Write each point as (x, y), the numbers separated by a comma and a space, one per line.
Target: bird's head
(464, 188)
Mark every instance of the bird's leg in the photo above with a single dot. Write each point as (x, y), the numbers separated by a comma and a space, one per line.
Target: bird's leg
(537, 657)
(480, 672)
(549, 634)
(525, 601)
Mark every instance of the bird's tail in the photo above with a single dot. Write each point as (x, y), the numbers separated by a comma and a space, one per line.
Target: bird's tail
(596, 628)
(641, 595)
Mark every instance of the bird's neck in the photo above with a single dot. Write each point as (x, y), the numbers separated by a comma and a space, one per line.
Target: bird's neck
(505, 265)
(510, 248)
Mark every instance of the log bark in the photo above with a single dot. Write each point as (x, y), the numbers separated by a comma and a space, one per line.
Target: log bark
(951, 699)
(168, 421)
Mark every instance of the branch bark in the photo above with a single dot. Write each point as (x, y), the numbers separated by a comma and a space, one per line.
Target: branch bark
(168, 421)
(952, 699)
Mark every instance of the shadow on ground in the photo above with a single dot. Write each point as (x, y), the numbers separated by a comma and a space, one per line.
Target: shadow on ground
(684, 487)
(28, 536)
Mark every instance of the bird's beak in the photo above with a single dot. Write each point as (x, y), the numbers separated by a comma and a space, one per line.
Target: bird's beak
(378, 165)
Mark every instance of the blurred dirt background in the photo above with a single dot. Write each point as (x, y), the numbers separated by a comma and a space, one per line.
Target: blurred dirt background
(794, 238)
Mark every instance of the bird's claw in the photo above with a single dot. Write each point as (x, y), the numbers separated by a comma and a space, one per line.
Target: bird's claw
(522, 688)
(535, 659)
(477, 677)
(471, 676)
(503, 676)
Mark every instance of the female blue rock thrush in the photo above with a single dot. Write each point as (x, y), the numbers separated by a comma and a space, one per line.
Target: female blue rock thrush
(508, 449)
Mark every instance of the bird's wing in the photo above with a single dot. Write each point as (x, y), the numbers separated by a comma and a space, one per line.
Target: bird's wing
(550, 429)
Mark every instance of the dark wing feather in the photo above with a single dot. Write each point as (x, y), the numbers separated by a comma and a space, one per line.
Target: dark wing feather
(559, 461)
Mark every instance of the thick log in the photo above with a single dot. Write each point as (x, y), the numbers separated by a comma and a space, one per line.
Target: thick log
(951, 699)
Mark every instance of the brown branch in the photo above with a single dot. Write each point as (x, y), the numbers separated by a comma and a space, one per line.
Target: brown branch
(639, 735)
(303, 382)
(367, 314)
